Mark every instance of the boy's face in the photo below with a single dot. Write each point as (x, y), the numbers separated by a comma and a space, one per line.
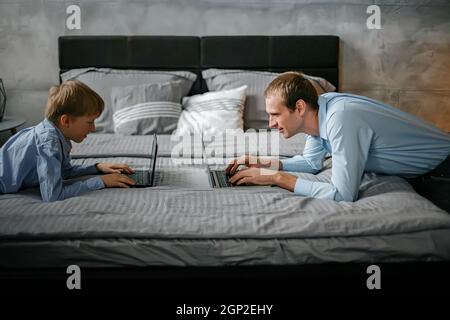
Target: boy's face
(77, 128)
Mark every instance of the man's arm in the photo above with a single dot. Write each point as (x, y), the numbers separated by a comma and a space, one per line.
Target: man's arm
(285, 180)
(49, 169)
(350, 139)
(312, 159)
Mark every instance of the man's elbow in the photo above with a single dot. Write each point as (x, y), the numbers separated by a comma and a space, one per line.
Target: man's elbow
(316, 167)
(345, 197)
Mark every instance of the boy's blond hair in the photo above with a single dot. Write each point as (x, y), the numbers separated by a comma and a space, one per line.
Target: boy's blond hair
(74, 98)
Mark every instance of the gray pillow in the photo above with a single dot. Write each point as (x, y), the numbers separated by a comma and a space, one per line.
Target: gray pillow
(101, 80)
(255, 115)
(146, 109)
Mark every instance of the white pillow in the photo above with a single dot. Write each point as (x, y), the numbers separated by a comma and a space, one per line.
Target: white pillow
(212, 112)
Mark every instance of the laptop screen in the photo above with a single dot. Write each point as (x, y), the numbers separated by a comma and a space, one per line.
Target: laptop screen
(153, 153)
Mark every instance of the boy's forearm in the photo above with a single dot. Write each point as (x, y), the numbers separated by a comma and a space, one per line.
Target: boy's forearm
(82, 170)
(56, 191)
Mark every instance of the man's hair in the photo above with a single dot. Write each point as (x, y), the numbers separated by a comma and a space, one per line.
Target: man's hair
(74, 98)
(292, 86)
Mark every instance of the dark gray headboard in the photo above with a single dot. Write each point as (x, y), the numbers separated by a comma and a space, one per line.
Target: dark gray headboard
(314, 55)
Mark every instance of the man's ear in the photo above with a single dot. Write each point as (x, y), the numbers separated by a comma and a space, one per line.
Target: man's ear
(301, 106)
(64, 120)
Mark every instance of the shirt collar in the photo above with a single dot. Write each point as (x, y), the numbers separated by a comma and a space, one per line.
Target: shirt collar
(322, 101)
(66, 144)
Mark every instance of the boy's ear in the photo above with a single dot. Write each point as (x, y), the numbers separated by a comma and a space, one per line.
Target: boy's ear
(64, 120)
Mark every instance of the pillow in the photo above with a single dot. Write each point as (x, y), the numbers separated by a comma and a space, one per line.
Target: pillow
(146, 109)
(255, 111)
(102, 80)
(212, 112)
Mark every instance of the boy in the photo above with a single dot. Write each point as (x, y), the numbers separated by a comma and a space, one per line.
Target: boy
(39, 155)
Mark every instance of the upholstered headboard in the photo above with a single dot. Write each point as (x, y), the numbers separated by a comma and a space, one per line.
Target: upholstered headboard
(314, 55)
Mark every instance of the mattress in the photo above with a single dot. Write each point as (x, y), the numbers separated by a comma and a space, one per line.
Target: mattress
(180, 225)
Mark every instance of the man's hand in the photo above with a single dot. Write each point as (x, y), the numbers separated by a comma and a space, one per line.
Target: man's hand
(253, 162)
(117, 180)
(114, 168)
(254, 176)
(262, 176)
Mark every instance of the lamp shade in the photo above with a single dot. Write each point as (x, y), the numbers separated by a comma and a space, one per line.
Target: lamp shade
(2, 100)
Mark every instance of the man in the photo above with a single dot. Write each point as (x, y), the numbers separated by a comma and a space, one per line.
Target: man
(361, 134)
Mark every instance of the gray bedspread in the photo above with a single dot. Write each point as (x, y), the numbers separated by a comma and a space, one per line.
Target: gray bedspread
(387, 205)
(246, 225)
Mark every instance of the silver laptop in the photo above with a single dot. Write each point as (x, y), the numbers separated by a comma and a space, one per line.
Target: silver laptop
(146, 178)
(219, 178)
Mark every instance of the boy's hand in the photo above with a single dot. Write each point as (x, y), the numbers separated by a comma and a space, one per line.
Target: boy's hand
(117, 180)
(114, 168)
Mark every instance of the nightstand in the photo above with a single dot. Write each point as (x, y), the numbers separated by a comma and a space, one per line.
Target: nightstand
(11, 124)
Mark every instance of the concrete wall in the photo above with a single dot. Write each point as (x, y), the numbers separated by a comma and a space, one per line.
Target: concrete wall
(406, 63)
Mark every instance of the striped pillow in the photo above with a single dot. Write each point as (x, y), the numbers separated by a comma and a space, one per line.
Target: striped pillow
(103, 80)
(212, 112)
(146, 109)
(147, 117)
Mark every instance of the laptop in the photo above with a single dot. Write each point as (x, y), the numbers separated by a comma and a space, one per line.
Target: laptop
(146, 178)
(219, 178)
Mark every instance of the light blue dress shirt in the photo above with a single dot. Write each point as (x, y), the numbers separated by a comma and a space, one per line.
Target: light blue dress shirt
(40, 156)
(362, 135)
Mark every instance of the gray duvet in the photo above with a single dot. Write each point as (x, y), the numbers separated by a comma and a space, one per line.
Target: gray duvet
(167, 225)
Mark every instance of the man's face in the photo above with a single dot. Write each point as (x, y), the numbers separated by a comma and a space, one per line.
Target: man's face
(281, 117)
(80, 127)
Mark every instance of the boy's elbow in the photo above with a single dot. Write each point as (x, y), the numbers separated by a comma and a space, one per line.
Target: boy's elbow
(52, 197)
(49, 199)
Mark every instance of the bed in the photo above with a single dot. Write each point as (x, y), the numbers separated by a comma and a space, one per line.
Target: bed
(175, 228)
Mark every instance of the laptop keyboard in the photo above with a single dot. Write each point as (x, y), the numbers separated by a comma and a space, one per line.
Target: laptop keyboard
(220, 179)
(141, 177)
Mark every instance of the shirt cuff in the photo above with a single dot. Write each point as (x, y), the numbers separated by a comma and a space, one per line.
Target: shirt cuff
(303, 187)
(95, 183)
(92, 169)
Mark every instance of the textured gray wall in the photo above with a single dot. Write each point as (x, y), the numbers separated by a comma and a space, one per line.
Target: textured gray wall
(406, 63)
